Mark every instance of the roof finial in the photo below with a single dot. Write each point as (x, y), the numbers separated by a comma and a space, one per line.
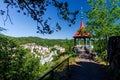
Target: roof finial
(81, 13)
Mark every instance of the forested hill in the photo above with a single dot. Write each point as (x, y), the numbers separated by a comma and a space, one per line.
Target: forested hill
(40, 41)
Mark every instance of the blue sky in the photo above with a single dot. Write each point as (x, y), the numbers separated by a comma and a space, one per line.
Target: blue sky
(25, 26)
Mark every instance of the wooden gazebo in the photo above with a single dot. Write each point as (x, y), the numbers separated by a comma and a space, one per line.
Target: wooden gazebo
(83, 34)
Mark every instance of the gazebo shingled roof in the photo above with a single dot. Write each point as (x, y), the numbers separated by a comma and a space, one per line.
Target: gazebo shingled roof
(81, 31)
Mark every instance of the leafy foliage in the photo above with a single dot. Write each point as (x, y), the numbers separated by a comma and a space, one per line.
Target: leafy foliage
(37, 8)
(16, 63)
(103, 22)
(68, 46)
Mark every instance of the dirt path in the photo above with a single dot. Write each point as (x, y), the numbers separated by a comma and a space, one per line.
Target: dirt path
(85, 69)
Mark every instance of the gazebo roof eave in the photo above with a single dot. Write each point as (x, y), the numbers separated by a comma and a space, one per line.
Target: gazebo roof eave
(81, 36)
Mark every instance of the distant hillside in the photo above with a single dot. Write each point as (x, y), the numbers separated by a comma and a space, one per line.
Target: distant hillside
(38, 41)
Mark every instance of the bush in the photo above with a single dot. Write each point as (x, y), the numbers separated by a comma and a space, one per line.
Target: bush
(100, 46)
(16, 63)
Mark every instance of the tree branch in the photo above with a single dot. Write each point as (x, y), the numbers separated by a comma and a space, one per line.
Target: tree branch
(7, 15)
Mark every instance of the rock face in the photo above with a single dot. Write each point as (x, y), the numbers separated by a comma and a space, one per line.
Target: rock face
(114, 52)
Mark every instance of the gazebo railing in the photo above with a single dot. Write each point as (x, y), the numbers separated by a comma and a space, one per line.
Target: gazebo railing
(57, 73)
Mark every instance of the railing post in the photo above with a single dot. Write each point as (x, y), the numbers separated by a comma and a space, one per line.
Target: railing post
(52, 75)
(68, 67)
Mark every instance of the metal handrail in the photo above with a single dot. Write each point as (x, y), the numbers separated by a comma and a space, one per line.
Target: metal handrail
(51, 72)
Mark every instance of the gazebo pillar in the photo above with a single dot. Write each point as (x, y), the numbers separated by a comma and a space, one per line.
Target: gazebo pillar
(84, 43)
(90, 45)
(90, 41)
(79, 41)
(74, 41)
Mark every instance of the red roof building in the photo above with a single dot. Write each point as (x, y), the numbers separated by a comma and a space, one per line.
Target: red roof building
(82, 32)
